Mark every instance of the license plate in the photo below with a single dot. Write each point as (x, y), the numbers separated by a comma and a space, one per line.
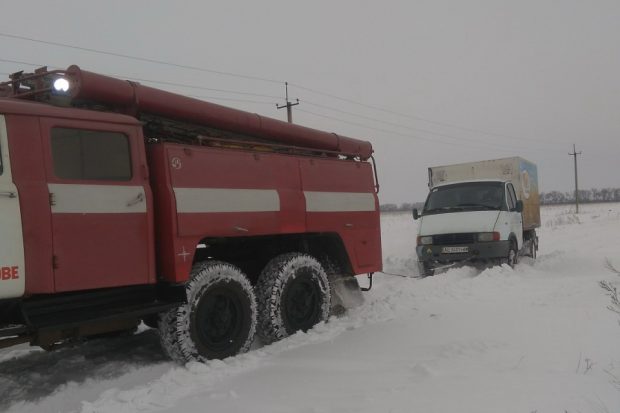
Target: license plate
(454, 250)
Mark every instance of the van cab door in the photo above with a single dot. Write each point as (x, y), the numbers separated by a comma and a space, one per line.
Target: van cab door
(515, 218)
(100, 204)
(12, 271)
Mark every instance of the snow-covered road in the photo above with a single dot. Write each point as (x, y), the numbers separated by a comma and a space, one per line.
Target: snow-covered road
(536, 338)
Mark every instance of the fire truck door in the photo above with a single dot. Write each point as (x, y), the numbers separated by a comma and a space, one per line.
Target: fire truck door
(12, 275)
(99, 204)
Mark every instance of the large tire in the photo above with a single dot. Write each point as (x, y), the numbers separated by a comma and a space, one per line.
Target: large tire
(219, 319)
(293, 294)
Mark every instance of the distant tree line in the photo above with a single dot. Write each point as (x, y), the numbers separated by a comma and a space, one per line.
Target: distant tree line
(585, 195)
(546, 198)
(402, 207)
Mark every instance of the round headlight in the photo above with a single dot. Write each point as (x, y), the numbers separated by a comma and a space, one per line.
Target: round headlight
(61, 85)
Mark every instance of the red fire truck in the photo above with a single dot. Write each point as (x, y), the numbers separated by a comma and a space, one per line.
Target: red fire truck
(121, 203)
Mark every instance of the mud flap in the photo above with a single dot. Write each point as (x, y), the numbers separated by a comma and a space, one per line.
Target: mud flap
(345, 293)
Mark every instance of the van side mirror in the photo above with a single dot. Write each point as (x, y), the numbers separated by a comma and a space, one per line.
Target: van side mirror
(519, 207)
(416, 215)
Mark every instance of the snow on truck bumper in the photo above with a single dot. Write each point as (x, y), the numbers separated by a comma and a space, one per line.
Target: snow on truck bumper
(477, 251)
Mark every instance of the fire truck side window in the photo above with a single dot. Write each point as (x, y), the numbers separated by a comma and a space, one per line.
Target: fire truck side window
(90, 155)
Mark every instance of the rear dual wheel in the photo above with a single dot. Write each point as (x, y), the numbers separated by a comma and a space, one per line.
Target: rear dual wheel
(293, 294)
(220, 317)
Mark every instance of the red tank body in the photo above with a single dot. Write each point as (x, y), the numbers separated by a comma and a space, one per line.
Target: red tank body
(222, 193)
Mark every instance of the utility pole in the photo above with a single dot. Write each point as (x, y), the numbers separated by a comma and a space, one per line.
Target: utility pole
(288, 106)
(574, 155)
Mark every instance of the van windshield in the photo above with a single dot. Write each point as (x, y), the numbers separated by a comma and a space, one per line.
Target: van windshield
(470, 196)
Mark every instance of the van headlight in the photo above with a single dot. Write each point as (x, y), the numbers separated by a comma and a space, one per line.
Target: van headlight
(425, 240)
(488, 236)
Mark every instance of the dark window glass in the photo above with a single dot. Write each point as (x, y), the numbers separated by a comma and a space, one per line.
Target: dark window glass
(512, 199)
(91, 155)
(514, 195)
(466, 196)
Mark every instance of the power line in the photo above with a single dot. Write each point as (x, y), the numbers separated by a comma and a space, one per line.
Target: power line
(158, 82)
(232, 99)
(141, 59)
(374, 107)
(173, 84)
(505, 148)
(20, 62)
(392, 112)
(58, 44)
(309, 112)
(398, 124)
(275, 97)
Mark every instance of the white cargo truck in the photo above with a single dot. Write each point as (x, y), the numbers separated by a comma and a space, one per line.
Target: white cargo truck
(479, 212)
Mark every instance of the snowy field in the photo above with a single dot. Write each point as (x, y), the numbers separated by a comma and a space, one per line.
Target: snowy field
(538, 338)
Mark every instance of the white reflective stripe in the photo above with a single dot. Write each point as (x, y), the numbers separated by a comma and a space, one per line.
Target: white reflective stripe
(12, 266)
(196, 200)
(339, 201)
(96, 199)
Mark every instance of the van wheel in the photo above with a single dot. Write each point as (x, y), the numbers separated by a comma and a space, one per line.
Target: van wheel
(219, 319)
(511, 259)
(293, 294)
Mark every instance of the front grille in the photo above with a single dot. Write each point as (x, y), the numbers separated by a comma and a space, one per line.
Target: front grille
(451, 239)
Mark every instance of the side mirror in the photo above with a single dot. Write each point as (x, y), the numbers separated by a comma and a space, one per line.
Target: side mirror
(416, 215)
(519, 207)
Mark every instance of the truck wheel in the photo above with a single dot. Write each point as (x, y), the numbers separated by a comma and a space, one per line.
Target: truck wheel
(219, 319)
(293, 294)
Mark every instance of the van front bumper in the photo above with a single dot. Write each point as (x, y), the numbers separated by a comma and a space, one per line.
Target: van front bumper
(478, 251)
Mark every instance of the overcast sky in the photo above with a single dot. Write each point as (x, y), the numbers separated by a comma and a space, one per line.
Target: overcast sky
(427, 82)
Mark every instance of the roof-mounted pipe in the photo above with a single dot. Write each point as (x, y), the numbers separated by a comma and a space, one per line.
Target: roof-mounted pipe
(135, 99)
